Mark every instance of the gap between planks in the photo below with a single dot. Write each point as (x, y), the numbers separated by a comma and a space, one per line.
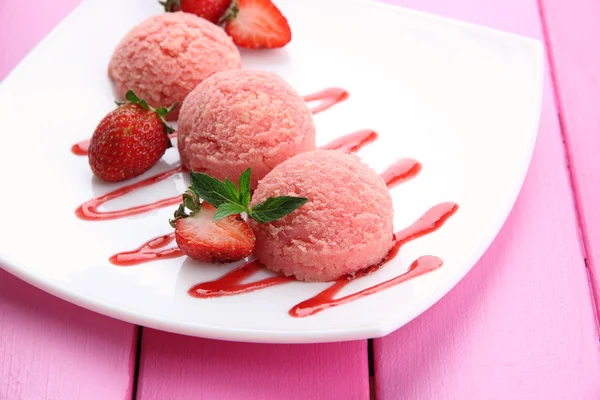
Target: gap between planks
(138, 356)
(371, 359)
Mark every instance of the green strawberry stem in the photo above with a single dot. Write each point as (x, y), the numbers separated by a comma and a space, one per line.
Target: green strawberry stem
(191, 202)
(171, 5)
(162, 112)
(230, 13)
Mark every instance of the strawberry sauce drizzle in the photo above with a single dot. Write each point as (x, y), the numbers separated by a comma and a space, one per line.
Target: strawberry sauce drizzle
(231, 283)
(430, 222)
(352, 142)
(401, 171)
(153, 250)
(325, 299)
(328, 97)
(89, 210)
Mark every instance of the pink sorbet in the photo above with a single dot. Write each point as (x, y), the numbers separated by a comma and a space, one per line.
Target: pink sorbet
(166, 56)
(242, 118)
(346, 224)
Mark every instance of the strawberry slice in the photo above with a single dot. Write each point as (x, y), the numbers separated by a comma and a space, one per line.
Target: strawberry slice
(257, 24)
(227, 240)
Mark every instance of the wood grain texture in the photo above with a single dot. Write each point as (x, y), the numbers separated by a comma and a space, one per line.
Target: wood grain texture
(521, 324)
(573, 34)
(178, 367)
(51, 349)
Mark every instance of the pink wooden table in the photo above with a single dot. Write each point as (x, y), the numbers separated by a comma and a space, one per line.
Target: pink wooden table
(521, 325)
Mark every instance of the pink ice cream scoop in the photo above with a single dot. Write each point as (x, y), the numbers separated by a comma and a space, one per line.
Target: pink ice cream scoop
(167, 55)
(346, 224)
(243, 118)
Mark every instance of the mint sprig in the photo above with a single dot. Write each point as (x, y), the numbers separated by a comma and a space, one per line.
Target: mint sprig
(231, 200)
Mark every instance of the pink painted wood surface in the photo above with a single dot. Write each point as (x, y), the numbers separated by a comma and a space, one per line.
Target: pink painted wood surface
(180, 368)
(521, 324)
(573, 31)
(50, 349)
(24, 23)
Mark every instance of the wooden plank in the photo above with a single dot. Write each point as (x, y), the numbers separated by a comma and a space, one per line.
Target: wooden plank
(572, 31)
(50, 349)
(521, 324)
(181, 367)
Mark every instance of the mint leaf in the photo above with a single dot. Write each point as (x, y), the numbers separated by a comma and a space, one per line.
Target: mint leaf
(210, 189)
(245, 199)
(229, 200)
(227, 209)
(233, 192)
(275, 207)
(244, 185)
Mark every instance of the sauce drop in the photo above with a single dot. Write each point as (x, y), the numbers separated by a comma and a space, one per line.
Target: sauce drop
(81, 148)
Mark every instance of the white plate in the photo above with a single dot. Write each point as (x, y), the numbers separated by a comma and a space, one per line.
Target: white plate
(463, 100)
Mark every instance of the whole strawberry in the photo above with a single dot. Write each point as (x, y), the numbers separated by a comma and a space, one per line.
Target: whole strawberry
(211, 10)
(129, 140)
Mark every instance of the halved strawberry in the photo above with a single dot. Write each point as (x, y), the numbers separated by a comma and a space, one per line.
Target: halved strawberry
(257, 24)
(227, 240)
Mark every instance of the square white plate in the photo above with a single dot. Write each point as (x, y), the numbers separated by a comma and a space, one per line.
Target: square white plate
(463, 100)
